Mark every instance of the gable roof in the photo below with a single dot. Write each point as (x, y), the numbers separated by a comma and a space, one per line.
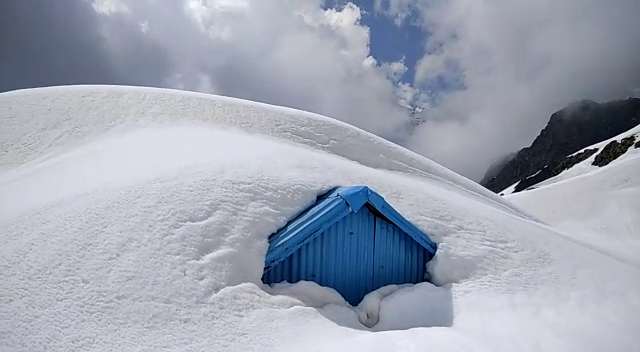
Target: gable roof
(331, 208)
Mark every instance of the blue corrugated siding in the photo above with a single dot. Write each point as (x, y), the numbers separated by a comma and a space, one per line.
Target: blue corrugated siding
(356, 255)
(341, 257)
(398, 259)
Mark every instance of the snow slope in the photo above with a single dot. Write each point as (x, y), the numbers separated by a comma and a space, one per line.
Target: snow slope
(599, 206)
(137, 219)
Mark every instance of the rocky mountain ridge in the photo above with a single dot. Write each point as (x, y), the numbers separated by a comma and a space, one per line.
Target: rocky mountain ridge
(569, 130)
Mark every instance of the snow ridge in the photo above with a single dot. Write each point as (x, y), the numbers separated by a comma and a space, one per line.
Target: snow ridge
(40, 121)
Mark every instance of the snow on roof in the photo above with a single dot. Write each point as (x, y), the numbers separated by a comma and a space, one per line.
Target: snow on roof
(134, 218)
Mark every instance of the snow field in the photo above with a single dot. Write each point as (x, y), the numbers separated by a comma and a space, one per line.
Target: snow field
(130, 230)
(597, 206)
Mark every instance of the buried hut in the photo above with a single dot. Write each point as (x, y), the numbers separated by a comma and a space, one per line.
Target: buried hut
(351, 240)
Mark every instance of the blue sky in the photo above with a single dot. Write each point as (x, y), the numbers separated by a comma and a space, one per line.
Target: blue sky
(388, 41)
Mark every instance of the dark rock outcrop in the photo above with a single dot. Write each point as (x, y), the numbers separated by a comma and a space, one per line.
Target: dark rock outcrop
(497, 166)
(553, 169)
(569, 130)
(612, 151)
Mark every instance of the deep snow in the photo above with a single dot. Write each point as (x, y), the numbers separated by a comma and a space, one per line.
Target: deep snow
(598, 206)
(137, 219)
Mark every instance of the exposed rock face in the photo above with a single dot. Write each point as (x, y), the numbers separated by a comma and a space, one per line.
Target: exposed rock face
(612, 151)
(569, 130)
(497, 166)
(555, 168)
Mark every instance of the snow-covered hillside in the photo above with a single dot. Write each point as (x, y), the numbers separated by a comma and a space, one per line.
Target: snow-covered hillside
(598, 206)
(137, 219)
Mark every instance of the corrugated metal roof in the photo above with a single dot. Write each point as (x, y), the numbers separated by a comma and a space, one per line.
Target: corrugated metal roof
(331, 208)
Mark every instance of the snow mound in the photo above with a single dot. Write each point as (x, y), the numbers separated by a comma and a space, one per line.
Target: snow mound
(135, 218)
(38, 122)
(598, 206)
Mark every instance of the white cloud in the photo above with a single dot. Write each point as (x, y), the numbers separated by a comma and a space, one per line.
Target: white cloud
(394, 70)
(432, 66)
(216, 17)
(399, 10)
(520, 61)
(144, 26)
(288, 52)
(108, 7)
(344, 18)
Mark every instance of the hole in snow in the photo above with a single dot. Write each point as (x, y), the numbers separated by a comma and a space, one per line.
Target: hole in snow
(392, 307)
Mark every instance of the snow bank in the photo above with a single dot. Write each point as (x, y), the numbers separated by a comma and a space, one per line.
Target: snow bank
(138, 219)
(399, 307)
(597, 206)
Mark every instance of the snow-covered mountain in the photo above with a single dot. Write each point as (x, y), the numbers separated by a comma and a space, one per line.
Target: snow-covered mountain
(137, 219)
(595, 201)
(575, 127)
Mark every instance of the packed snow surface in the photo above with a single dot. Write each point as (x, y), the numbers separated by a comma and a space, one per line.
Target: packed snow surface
(598, 206)
(137, 219)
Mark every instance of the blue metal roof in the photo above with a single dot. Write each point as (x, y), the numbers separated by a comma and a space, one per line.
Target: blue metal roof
(329, 209)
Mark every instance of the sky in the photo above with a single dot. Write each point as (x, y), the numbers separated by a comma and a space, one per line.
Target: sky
(482, 77)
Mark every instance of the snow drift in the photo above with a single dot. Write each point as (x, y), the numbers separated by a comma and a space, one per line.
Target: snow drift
(136, 218)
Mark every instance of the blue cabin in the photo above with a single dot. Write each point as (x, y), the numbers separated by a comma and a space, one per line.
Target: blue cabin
(352, 240)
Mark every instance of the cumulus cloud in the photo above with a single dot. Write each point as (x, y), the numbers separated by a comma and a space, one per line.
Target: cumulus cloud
(504, 66)
(394, 70)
